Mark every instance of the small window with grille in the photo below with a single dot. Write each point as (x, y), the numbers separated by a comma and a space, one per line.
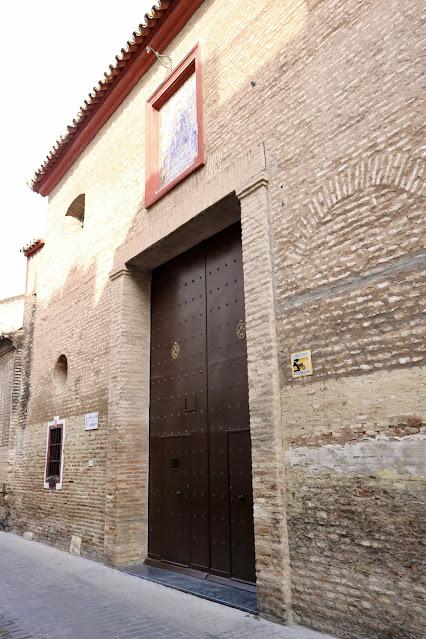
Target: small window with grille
(54, 454)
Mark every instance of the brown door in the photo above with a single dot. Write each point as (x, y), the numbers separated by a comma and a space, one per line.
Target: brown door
(200, 498)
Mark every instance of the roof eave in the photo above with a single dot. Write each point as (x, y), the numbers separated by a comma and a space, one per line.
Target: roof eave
(165, 28)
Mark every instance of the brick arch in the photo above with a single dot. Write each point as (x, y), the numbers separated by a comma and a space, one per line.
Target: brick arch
(398, 170)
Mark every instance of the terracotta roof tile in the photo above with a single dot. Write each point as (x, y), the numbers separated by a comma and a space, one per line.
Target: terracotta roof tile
(103, 87)
(32, 248)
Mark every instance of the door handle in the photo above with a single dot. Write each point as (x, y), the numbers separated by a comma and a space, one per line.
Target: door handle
(241, 497)
(191, 404)
(178, 492)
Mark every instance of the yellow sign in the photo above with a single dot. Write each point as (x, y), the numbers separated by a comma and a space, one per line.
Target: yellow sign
(301, 364)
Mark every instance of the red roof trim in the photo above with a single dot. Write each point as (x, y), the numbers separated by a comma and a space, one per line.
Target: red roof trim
(163, 23)
(32, 248)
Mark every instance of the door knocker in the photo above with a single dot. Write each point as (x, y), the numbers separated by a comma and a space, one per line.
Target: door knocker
(175, 351)
(240, 331)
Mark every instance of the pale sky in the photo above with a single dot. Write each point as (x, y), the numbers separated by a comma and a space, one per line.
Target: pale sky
(52, 54)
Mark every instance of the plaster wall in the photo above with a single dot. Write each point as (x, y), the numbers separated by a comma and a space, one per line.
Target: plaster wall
(11, 314)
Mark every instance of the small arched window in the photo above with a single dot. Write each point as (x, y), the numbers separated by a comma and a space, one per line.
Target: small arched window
(60, 372)
(76, 208)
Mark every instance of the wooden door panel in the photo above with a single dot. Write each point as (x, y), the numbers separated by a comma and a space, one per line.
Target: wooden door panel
(155, 498)
(178, 411)
(241, 505)
(232, 539)
(227, 394)
(198, 505)
(199, 408)
(175, 494)
(219, 505)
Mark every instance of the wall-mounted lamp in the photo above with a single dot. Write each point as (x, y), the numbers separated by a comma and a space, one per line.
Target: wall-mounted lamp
(165, 60)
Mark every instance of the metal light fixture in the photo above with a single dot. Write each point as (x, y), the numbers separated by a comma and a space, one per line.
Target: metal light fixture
(165, 60)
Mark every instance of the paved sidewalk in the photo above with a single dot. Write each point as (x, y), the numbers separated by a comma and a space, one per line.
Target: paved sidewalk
(48, 594)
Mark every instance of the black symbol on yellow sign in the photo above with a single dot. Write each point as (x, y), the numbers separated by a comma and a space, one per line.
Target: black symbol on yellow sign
(301, 364)
(297, 365)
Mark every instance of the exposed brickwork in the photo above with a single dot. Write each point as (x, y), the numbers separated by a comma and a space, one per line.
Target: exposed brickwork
(6, 370)
(361, 538)
(403, 426)
(10, 388)
(324, 98)
(372, 327)
(126, 508)
(272, 560)
(78, 509)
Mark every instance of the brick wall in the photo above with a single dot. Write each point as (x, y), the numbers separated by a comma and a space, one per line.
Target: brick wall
(10, 384)
(6, 368)
(11, 319)
(331, 89)
(347, 200)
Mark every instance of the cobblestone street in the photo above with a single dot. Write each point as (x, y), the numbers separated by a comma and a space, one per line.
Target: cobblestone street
(48, 594)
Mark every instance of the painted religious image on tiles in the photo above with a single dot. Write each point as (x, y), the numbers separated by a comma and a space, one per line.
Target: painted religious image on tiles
(174, 129)
(301, 364)
(178, 132)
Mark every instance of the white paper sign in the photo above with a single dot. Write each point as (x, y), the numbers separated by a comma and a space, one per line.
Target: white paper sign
(91, 421)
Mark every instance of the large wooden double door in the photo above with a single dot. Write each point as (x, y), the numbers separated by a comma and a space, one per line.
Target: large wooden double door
(200, 494)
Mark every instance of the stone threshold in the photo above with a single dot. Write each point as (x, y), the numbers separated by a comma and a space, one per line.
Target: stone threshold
(226, 595)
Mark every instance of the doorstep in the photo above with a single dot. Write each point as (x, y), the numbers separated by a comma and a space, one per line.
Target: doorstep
(223, 594)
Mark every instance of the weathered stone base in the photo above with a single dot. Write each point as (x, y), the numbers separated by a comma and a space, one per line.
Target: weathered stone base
(357, 554)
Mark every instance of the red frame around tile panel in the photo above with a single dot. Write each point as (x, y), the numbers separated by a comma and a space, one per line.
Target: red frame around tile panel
(189, 65)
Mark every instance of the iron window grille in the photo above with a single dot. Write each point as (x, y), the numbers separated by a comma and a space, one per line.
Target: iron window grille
(54, 454)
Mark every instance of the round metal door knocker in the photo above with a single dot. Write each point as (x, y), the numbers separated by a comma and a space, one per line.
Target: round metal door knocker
(175, 351)
(240, 331)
